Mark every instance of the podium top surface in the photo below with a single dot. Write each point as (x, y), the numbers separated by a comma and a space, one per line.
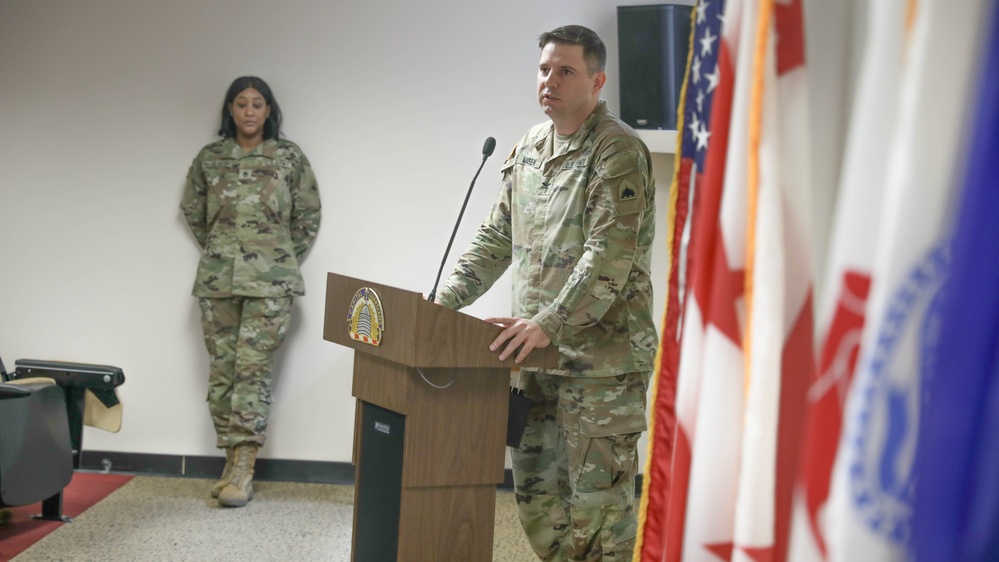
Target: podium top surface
(411, 331)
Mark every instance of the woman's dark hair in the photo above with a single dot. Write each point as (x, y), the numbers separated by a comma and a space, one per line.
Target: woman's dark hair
(272, 127)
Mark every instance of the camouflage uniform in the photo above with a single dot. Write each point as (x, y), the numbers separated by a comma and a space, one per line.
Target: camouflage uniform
(254, 214)
(575, 469)
(576, 228)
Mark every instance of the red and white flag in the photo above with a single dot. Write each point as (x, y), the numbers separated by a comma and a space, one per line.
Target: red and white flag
(779, 336)
(842, 308)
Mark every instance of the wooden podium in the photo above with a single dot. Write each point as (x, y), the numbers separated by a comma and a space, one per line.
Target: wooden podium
(430, 425)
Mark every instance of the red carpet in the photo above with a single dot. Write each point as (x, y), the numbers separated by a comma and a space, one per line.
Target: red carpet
(84, 491)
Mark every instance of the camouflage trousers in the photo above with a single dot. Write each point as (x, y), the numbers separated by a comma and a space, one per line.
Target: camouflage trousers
(242, 334)
(574, 473)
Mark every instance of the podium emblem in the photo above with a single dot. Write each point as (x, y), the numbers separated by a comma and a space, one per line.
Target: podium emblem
(365, 321)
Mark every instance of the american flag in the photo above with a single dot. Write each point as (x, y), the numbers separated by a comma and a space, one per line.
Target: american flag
(703, 78)
(716, 490)
(668, 465)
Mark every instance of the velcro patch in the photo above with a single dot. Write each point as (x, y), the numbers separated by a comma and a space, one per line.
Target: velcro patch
(619, 164)
(623, 176)
(626, 191)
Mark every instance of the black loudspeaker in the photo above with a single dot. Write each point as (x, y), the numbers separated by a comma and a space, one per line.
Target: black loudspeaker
(652, 53)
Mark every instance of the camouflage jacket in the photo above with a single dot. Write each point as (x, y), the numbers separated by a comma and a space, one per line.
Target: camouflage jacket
(254, 214)
(576, 227)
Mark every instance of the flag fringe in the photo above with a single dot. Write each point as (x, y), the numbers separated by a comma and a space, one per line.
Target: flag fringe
(763, 24)
(670, 237)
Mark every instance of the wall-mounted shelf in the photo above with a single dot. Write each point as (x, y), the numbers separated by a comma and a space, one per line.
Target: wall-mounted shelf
(659, 140)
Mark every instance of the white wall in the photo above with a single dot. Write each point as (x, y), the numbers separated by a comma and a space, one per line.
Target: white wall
(104, 103)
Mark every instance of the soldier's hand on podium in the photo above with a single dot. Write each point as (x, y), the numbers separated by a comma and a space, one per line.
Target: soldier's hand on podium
(518, 332)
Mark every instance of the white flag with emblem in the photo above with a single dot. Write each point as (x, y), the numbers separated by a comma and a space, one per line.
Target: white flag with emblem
(873, 485)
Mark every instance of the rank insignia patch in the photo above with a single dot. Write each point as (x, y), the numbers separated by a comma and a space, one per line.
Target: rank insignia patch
(365, 322)
(626, 191)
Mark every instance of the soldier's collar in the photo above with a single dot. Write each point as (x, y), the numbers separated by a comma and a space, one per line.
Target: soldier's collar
(232, 149)
(577, 138)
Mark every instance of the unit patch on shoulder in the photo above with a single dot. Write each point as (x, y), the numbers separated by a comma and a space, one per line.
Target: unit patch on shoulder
(628, 195)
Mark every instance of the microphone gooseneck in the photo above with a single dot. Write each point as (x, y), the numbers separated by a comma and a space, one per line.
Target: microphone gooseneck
(487, 151)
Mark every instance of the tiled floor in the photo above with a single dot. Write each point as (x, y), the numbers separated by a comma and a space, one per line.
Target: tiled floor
(174, 519)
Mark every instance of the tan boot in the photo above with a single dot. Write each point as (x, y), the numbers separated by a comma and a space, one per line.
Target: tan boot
(226, 474)
(239, 490)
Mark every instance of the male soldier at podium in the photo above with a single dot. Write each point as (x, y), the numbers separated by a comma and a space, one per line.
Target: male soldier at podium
(575, 220)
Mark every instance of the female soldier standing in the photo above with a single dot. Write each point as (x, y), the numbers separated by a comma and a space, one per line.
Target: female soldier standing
(252, 203)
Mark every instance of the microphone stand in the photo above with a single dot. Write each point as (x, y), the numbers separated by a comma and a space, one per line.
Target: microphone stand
(487, 151)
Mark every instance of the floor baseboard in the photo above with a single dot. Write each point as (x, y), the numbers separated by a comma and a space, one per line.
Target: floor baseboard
(195, 466)
(266, 470)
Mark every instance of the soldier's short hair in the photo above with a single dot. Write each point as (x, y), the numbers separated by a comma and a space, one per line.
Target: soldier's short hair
(594, 50)
(272, 127)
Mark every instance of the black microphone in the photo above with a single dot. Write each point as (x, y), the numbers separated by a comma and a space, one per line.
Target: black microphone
(487, 151)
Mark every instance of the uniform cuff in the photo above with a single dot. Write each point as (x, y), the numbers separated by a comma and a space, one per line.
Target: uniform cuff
(551, 324)
(447, 298)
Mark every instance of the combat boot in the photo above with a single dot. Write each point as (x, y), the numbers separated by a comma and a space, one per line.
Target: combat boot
(239, 490)
(226, 474)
